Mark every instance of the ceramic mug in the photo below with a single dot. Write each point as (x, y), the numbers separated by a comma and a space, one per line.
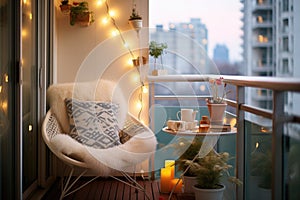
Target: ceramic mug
(191, 125)
(176, 125)
(187, 115)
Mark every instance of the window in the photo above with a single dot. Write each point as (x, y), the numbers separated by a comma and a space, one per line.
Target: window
(285, 44)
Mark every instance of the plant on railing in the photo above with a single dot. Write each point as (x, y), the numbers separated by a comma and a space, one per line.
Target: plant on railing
(218, 91)
(157, 50)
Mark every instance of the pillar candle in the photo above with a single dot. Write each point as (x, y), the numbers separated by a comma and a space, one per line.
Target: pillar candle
(178, 188)
(170, 164)
(165, 179)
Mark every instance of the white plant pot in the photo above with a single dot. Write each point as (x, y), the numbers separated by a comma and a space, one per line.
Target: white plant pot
(188, 183)
(209, 194)
(159, 72)
(136, 24)
(264, 193)
(253, 187)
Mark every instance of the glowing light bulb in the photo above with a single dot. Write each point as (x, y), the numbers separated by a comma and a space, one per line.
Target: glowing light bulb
(112, 13)
(4, 105)
(30, 128)
(0, 88)
(6, 78)
(24, 33)
(139, 105)
(30, 16)
(232, 122)
(145, 89)
(105, 20)
(126, 45)
(129, 62)
(256, 145)
(99, 2)
(24, 2)
(114, 33)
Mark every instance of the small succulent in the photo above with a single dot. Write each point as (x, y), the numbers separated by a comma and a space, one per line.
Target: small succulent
(134, 14)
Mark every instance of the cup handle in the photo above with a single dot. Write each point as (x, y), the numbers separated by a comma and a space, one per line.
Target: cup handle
(177, 114)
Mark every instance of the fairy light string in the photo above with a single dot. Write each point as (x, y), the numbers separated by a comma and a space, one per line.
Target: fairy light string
(113, 21)
(117, 28)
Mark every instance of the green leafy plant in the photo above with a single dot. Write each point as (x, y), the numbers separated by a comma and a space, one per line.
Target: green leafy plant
(80, 10)
(134, 14)
(156, 50)
(209, 169)
(212, 168)
(188, 155)
(261, 166)
(64, 2)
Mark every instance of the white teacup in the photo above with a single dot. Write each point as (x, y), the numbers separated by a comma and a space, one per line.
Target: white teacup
(187, 115)
(176, 125)
(191, 125)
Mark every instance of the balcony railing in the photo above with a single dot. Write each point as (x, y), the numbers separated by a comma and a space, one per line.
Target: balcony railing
(277, 141)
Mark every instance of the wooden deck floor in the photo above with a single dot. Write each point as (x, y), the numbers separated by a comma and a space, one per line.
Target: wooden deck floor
(108, 188)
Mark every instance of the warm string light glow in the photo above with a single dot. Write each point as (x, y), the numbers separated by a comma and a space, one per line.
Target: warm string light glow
(30, 128)
(6, 78)
(24, 33)
(110, 14)
(145, 89)
(256, 145)
(99, 2)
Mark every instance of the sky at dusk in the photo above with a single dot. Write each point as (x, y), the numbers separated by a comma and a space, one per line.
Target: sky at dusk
(221, 17)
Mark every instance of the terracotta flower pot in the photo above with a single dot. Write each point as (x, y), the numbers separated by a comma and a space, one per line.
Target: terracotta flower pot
(216, 112)
(82, 19)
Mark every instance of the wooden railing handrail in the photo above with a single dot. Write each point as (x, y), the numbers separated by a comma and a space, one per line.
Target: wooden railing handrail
(272, 83)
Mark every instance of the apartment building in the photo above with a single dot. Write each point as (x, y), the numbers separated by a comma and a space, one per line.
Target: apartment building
(270, 43)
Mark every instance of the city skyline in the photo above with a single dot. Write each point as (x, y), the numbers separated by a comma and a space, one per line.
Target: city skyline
(222, 19)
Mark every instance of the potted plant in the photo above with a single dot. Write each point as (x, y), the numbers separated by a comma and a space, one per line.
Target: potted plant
(156, 50)
(65, 6)
(217, 105)
(183, 163)
(264, 162)
(136, 61)
(135, 20)
(210, 169)
(80, 14)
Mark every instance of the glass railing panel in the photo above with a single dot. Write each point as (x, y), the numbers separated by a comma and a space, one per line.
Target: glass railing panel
(292, 166)
(258, 158)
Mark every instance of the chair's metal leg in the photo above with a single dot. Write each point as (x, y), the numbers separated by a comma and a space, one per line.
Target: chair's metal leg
(68, 185)
(132, 183)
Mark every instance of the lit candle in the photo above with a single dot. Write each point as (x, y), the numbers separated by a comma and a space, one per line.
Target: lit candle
(178, 188)
(170, 164)
(165, 179)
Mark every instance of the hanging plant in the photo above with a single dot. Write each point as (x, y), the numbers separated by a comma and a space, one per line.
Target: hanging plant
(80, 14)
(135, 20)
(65, 7)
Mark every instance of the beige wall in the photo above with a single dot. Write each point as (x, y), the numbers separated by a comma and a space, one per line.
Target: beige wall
(72, 44)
